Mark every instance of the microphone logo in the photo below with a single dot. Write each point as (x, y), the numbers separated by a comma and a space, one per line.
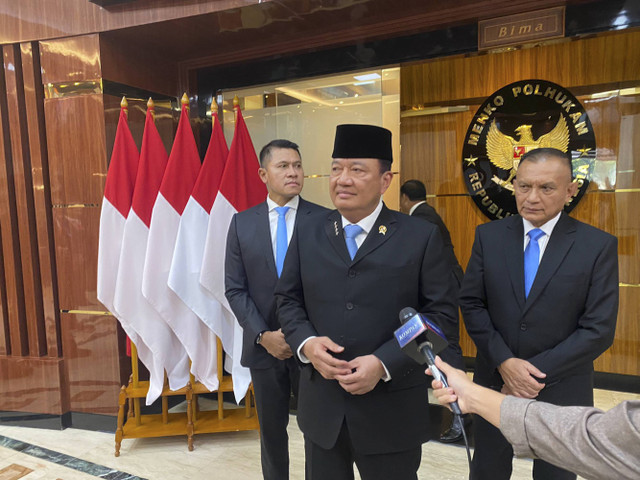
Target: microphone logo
(409, 331)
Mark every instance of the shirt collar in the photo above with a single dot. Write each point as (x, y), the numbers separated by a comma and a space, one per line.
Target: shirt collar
(367, 222)
(293, 203)
(547, 228)
(416, 206)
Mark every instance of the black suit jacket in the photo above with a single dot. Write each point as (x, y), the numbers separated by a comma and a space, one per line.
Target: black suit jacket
(250, 277)
(322, 292)
(569, 317)
(428, 213)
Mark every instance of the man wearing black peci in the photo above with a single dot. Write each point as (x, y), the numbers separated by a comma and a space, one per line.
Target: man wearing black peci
(347, 275)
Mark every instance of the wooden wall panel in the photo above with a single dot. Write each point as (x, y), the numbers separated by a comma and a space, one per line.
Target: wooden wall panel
(616, 213)
(623, 355)
(33, 385)
(602, 60)
(9, 211)
(628, 174)
(150, 69)
(76, 239)
(92, 360)
(434, 145)
(71, 59)
(432, 149)
(24, 196)
(5, 335)
(34, 110)
(23, 20)
(628, 233)
(8, 289)
(77, 151)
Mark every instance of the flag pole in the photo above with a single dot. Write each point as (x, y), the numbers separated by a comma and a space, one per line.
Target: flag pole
(236, 107)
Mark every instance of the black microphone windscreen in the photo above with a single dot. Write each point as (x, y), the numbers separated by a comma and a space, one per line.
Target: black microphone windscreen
(406, 313)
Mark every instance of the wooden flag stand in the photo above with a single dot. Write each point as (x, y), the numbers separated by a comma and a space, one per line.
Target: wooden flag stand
(189, 423)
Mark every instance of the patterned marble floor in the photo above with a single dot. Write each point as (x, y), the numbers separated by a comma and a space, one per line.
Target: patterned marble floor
(72, 454)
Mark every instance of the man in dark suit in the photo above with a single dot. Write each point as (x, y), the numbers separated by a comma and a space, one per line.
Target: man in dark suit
(540, 300)
(256, 247)
(347, 276)
(413, 200)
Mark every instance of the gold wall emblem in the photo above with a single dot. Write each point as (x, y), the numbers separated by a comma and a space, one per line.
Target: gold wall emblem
(518, 118)
(505, 152)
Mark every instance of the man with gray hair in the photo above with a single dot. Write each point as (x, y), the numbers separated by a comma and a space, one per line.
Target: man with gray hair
(540, 300)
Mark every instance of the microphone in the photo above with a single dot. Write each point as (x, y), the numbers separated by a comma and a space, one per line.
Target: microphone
(429, 339)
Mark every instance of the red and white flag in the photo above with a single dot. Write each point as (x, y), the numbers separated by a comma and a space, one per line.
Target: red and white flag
(240, 188)
(184, 276)
(168, 352)
(177, 184)
(116, 203)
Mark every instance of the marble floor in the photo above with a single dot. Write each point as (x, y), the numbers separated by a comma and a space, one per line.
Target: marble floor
(72, 454)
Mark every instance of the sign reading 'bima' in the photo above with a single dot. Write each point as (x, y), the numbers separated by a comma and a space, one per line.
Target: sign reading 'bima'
(521, 28)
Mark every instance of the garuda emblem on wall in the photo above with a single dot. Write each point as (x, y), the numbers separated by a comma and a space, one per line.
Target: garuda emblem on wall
(505, 152)
(518, 118)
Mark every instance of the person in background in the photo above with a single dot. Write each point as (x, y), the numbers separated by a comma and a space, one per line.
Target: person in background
(413, 201)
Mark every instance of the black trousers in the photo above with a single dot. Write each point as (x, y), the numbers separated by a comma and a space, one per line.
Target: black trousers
(492, 457)
(273, 387)
(337, 463)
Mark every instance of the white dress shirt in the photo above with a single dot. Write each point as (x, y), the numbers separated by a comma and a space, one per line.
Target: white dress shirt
(413, 209)
(366, 224)
(547, 228)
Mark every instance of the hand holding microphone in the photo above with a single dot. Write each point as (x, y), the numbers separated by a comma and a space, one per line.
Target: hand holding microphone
(419, 335)
(459, 386)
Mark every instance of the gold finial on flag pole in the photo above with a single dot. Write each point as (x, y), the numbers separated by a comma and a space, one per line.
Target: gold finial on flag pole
(151, 106)
(185, 100)
(124, 105)
(214, 106)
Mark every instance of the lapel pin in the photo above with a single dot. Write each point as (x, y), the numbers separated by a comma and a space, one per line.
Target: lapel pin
(335, 227)
(382, 230)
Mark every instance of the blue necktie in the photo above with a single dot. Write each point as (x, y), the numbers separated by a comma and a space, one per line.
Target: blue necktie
(281, 238)
(531, 259)
(350, 234)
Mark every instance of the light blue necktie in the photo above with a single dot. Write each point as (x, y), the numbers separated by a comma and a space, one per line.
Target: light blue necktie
(281, 238)
(350, 234)
(531, 259)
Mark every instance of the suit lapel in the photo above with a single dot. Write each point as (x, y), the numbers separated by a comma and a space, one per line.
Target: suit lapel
(382, 230)
(333, 229)
(303, 209)
(263, 236)
(514, 253)
(560, 242)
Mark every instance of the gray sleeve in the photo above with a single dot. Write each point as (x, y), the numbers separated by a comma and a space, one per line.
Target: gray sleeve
(585, 440)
